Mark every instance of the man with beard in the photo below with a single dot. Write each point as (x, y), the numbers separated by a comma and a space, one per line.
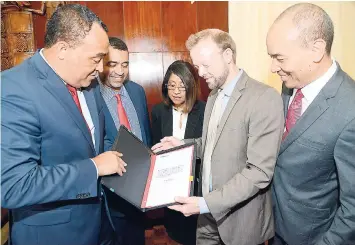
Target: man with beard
(127, 105)
(241, 136)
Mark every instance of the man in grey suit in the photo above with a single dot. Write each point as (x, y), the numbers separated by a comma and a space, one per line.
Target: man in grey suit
(313, 187)
(242, 132)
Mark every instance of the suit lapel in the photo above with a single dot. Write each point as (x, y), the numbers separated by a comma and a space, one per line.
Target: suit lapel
(237, 93)
(54, 85)
(91, 103)
(286, 100)
(286, 95)
(314, 110)
(167, 129)
(132, 95)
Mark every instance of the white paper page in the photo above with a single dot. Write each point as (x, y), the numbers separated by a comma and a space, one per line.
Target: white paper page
(171, 177)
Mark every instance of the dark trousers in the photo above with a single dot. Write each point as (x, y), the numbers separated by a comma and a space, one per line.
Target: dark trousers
(124, 230)
(128, 230)
(180, 228)
(127, 220)
(277, 240)
(106, 230)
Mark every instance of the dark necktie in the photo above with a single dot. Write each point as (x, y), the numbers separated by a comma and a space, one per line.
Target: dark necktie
(294, 112)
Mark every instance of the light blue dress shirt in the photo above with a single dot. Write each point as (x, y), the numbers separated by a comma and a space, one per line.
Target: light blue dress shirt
(111, 101)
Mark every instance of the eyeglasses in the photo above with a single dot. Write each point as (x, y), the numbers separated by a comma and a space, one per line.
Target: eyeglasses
(173, 87)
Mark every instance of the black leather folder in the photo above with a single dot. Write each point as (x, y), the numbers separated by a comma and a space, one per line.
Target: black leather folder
(134, 184)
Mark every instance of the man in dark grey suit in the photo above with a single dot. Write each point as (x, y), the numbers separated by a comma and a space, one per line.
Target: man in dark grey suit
(313, 186)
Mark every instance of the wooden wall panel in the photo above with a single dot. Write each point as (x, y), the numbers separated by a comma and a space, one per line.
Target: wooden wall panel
(179, 21)
(146, 69)
(142, 25)
(170, 57)
(111, 13)
(212, 15)
(155, 33)
(39, 25)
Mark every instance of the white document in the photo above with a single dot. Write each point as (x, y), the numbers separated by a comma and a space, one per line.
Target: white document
(171, 177)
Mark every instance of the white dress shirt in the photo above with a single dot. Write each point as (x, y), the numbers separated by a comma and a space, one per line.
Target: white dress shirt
(179, 132)
(311, 90)
(84, 109)
(83, 105)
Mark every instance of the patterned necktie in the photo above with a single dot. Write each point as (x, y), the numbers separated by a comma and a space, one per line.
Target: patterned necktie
(294, 112)
(122, 116)
(74, 94)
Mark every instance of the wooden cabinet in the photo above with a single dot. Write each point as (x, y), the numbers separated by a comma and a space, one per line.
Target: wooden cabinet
(17, 38)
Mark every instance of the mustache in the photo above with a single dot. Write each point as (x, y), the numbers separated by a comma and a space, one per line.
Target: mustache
(114, 74)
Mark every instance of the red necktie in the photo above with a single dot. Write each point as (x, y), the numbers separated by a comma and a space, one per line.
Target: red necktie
(122, 116)
(294, 112)
(75, 96)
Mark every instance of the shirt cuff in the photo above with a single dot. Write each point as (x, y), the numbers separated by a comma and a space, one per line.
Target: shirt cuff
(97, 171)
(203, 206)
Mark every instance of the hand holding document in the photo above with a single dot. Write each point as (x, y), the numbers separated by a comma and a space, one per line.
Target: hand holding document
(166, 143)
(109, 162)
(187, 205)
(170, 177)
(152, 180)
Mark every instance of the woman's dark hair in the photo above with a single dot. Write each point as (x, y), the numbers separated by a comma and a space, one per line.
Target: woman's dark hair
(186, 72)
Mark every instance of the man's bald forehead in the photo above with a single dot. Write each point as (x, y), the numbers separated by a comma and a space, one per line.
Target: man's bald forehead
(312, 22)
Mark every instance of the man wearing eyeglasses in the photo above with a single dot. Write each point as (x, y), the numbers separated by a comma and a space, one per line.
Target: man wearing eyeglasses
(127, 105)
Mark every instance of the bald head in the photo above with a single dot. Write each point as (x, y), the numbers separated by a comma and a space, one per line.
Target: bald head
(299, 43)
(311, 21)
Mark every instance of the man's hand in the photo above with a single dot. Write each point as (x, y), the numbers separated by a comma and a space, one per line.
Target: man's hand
(188, 205)
(166, 143)
(110, 162)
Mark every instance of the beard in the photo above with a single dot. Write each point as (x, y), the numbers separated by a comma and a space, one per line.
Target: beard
(220, 80)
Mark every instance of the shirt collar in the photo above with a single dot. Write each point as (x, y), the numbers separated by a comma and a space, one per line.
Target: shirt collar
(228, 89)
(312, 90)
